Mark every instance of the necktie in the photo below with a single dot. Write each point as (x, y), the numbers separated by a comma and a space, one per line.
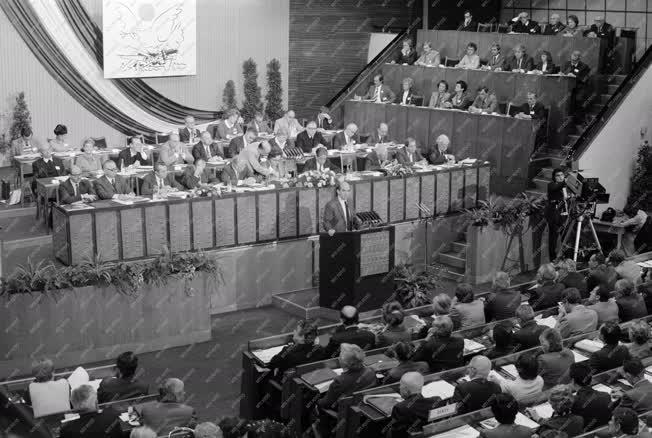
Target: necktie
(112, 181)
(74, 189)
(519, 63)
(208, 151)
(160, 183)
(495, 59)
(346, 215)
(377, 94)
(409, 157)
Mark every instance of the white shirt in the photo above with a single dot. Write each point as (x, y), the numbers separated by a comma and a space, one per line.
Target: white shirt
(159, 182)
(637, 221)
(405, 95)
(75, 187)
(344, 210)
(47, 160)
(377, 94)
(50, 397)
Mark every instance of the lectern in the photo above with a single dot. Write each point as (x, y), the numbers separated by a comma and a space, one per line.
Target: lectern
(354, 267)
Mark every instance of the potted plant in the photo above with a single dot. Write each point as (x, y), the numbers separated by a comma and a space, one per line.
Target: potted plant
(413, 288)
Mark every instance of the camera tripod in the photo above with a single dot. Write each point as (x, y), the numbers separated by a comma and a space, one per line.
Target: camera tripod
(575, 222)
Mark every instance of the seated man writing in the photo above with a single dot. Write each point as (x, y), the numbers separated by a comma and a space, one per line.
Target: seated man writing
(320, 162)
(159, 179)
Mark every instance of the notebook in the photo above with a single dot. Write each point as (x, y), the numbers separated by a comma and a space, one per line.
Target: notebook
(548, 322)
(383, 402)
(602, 388)
(589, 345)
(465, 431)
(438, 388)
(265, 355)
(319, 376)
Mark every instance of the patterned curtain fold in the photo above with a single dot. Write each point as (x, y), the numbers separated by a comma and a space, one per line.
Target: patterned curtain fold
(137, 90)
(33, 32)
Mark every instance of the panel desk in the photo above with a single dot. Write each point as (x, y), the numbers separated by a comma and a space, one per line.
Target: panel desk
(505, 142)
(127, 232)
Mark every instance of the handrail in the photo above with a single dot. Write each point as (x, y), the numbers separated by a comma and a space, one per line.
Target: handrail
(366, 71)
(608, 109)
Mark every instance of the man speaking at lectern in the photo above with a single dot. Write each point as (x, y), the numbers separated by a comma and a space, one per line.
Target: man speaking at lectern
(339, 215)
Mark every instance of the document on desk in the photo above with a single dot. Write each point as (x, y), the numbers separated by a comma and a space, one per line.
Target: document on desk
(544, 410)
(602, 388)
(323, 387)
(645, 264)
(265, 355)
(471, 346)
(579, 357)
(383, 402)
(465, 431)
(589, 345)
(521, 420)
(550, 321)
(78, 378)
(439, 388)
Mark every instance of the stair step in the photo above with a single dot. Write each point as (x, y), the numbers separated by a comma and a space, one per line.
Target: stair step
(452, 273)
(453, 260)
(617, 79)
(458, 247)
(604, 98)
(612, 88)
(546, 173)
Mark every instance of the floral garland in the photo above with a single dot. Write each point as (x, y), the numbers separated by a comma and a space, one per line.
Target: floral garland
(394, 168)
(314, 178)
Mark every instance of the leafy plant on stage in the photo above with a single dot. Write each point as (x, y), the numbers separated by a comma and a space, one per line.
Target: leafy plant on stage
(228, 96)
(394, 168)
(274, 96)
(179, 266)
(413, 287)
(22, 117)
(507, 214)
(252, 95)
(640, 194)
(32, 277)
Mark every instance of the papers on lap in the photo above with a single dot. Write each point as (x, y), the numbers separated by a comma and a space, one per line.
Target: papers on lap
(267, 354)
(579, 357)
(543, 410)
(602, 388)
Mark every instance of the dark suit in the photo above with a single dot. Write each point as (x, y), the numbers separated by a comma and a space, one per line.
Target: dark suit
(580, 70)
(569, 423)
(311, 164)
(507, 431)
(105, 190)
(631, 307)
(576, 280)
(554, 30)
(528, 335)
(531, 27)
(220, 131)
(347, 383)
(372, 162)
(115, 388)
(441, 353)
(126, 159)
(307, 144)
(199, 151)
(409, 99)
(67, 193)
(471, 27)
(537, 112)
(609, 357)
(350, 335)
(386, 94)
(165, 416)
(236, 145)
(403, 158)
(276, 150)
(593, 406)
(230, 176)
(525, 63)
(411, 414)
(339, 140)
(333, 217)
(502, 304)
(639, 397)
(296, 354)
(93, 425)
(41, 169)
(190, 181)
(409, 59)
(474, 395)
(463, 103)
(550, 68)
(605, 32)
(150, 182)
(437, 157)
(184, 134)
(547, 295)
(324, 123)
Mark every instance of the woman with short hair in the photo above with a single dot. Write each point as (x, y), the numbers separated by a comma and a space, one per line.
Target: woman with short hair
(429, 57)
(467, 311)
(641, 345)
(528, 381)
(47, 395)
(394, 330)
(439, 98)
(470, 60)
(58, 143)
(87, 161)
(555, 361)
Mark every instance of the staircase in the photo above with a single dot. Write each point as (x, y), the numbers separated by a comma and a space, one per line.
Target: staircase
(453, 260)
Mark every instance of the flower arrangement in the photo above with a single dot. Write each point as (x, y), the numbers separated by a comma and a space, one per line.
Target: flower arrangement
(206, 191)
(394, 168)
(314, 178)
(509, 215)
(413, 287)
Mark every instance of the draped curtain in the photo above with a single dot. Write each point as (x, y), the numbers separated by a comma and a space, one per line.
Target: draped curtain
(90, 35)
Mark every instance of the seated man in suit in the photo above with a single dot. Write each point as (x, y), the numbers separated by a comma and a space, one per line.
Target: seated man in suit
(302, 350)
(350, 333)
(228, 127)
(485, 102)
(170, 411)
(91, 423)
(174, 152)
(278, 144)
(379, 92)
(189, 134)
(639, 398)
(289, 124)
(478, 391)
(320, 162)
(528, 335)
(259, 124)
(442, 350)
(324, 119)
(348, 137)
(377, 158)
(523, 24)
(197, 175)
(593, 406)
(519, 62)
(381, 135)
(309, 139)
(573, 317)
(76, 189)
(206, 149)
(412, 413)
(238, 144)
(407, 55)
(159, 179)
(236, 170)
(125, 384)
(47, 166)
(440, 154)
(338, 215)
(496, 61)
(504, 408)
(134, 154)
(468, 25)
(410, 154)
(613, 354)
(25, 144)
(111, 185)
(554, 26)
(625, 423)
(577, 69)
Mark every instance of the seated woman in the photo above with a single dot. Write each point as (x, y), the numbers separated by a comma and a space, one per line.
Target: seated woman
(439, 98)
(58, 143)
(630, 303)
(407, 94)
(561, 400)
(304, 349)
(48, 396)
(377, 158)
(470, 60)
(641, 345)
(197, 175)
(88, 161)
(407, 55)
(572, 27)
(545, 66)
(527, 383)
(467, 311)
(485, 102)
(394, 330)
(503, 337)
(461, 99)
(429, 57)
(555, 362)
(440, 154)
(403, 352)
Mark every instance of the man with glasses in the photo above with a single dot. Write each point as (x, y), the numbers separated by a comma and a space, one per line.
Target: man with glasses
(309, 139)
(111, 185)
(76, 189)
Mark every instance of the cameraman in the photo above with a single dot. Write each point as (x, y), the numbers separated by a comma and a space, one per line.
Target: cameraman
(554, 209)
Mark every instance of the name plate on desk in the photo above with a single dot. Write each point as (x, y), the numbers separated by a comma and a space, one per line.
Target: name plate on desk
(444, 411)
(374, 253)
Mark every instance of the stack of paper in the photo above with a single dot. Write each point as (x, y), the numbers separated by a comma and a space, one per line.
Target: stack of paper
(579, 357)
(543, 410)
(548, 322)
(645, 264)
(438, 388)
(383, 402)
(267, 354)
(589, 345)
(465, 431)
(78, 378)
(471, 346)
(510, 370)
(602, 388)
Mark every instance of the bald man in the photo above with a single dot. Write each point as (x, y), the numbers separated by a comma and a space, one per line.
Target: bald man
(348, 137)
(350, 333)
(170, 411)
(478, 391)
(412, 413)
(76, 189)
(554, 26)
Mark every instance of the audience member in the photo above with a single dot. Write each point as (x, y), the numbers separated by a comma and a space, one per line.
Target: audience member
(58, 143)
(259, 124)
(251, 154)
(159, 179)
(379, 92)
(124, 384)
(303, 349)
(603, 30)
(206, 149)
(442, 305)
(468, 25)
(235, 171)
(25, 144)
(639, 398)
(630, 303)
(47, 395)
(461, 99)
(636, 219)
(606, 307)
(528, 382)
(485, 102)
(555, 360)
(87, 160)
(504, 409)
(227, 128)
(600, 273)
(641, 344)
(470, 60)
(545, 65)
(567, 275)
(324, 119)
(503, 301)
(572, 27)
(441, 349)
(407, 92)
(626, 269)
(528, 335)
(523, 24)
(519, 62)
(406, 55)
(440, 153)
(624, 423)
(348, 137)
(403, 352)
(439, 98)
(580, 95)
(173, 151)
(412, 413)
(189, 133)
(289, 124)
(467, 311)
(477, 392)
(170, 411)
(111, 185)
(592, 405)
(563, 418)
(142, 432)
(554, 26)
(320, 161)
(207, 430)
(549, 292)
(573, 317)
(533, 108)
(76, 189)
(429, 57)
(496, 61)
(612, 355)
(410, 154)
(134, 155)
(503, 337)
(91, 422)
(350, 333)
(394, 330)
(310, 138)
